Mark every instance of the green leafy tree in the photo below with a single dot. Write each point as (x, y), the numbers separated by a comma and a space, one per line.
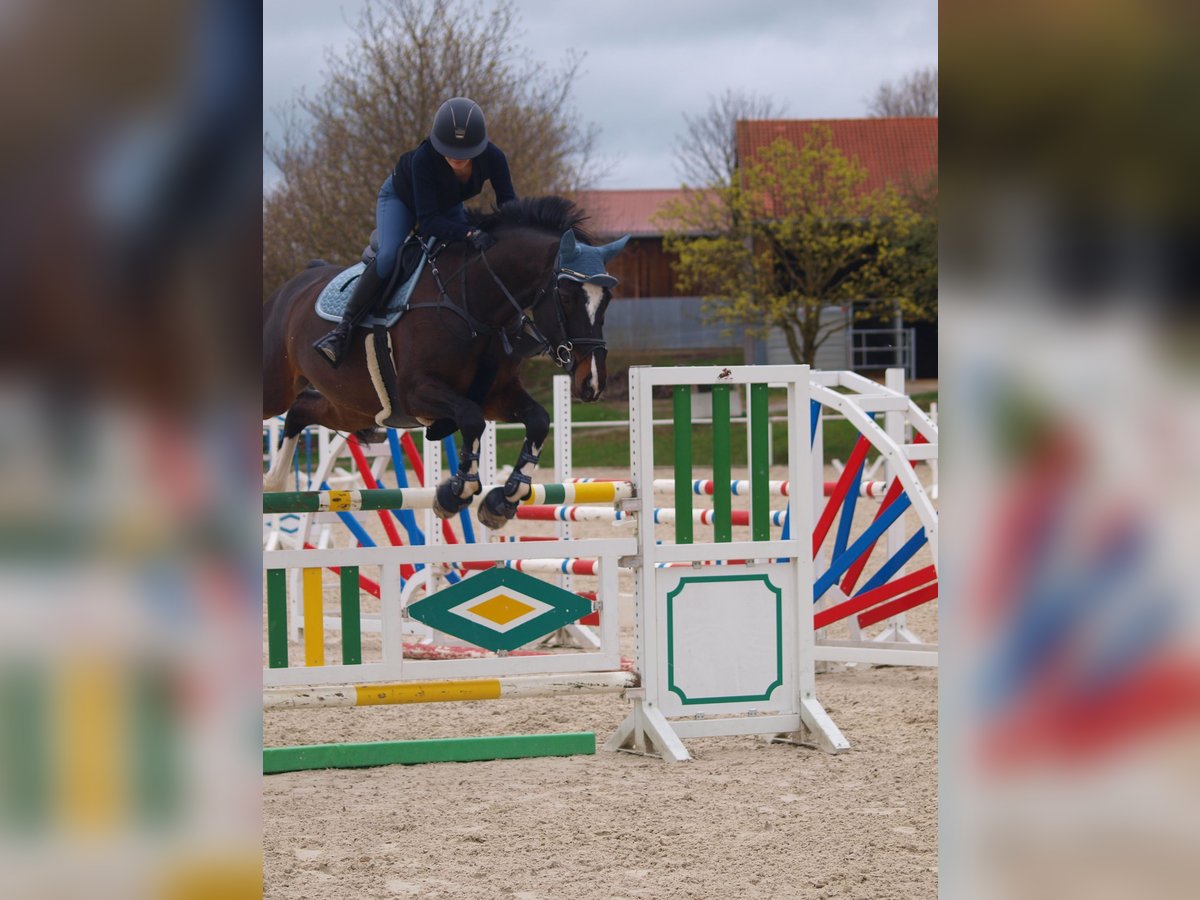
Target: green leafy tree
(794, 234)
(378, 100)
(920, 264)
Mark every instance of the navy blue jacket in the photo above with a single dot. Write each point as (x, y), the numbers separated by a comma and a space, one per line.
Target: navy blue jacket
(428, 186)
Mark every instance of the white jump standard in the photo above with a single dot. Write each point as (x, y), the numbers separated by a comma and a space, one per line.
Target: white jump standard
(724, 653)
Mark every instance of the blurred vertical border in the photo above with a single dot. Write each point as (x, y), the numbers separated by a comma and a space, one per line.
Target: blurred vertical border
(130, 258)
(1070, 389)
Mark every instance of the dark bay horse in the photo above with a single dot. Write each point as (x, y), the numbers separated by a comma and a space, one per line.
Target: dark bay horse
(457, 351)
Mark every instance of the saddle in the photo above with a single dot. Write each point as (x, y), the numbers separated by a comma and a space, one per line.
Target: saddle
(332, 301)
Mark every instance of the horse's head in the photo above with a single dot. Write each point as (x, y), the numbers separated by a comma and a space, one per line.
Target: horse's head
(584, 292)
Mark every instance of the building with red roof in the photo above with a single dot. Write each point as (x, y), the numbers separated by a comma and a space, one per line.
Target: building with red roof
(630, 212)
(643, 268)
(902, 152)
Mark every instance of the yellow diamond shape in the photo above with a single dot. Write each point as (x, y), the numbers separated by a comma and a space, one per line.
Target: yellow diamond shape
(501, 609)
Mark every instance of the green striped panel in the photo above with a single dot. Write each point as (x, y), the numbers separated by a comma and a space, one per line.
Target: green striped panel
(26, 787)
(760, 464)
(156, 761)
(722, 466)
(277, 634)
(351, 620)
(682, 414)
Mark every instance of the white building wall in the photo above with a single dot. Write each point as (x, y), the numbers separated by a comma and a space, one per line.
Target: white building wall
(833, 354)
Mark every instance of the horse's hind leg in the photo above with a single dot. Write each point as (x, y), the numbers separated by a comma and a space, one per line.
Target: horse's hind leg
(298, 418)
(276, 478)
(500, 504)
(310, 408)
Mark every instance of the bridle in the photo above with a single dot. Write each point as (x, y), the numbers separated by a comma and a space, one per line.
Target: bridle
(521, 336)
(527, 340)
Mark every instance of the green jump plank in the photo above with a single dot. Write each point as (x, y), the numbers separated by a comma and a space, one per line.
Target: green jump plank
(277, 633)
(682, 401)
(722, 465)
(386, 753)
(310, 501)
(760, 464)
(27, 737)
(351, 624)
(156, 764)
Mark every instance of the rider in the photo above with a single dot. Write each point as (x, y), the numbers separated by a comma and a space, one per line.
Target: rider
(427, 189)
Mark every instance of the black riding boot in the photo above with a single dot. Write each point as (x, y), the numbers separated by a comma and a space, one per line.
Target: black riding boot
(333, 345)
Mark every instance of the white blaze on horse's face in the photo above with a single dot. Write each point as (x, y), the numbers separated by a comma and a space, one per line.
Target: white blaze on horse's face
(590, 377)
(591, 385)
(595, 296)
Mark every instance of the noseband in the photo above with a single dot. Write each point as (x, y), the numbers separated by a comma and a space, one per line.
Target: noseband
(525, 338)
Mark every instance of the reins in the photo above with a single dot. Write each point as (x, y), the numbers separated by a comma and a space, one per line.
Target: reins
(522, 335)
(444, 301)
(561, 352)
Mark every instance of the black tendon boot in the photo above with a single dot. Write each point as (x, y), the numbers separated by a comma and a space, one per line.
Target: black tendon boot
(333, 345)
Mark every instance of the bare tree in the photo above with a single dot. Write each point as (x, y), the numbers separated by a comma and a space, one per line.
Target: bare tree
(916, 94)
(706, 153)
(378, 100)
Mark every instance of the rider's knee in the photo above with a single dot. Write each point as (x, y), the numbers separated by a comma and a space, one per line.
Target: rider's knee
(385, 261)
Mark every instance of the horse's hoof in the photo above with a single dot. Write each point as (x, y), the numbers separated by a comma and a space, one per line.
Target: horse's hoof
(371, 435)
(446, 503)
(495, 512)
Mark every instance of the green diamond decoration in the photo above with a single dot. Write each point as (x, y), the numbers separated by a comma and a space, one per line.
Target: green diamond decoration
(500, 609)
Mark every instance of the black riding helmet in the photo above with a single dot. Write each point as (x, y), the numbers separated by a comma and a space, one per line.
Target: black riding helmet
(459, 130)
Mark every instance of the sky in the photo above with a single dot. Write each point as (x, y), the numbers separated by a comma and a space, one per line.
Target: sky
(648, 62)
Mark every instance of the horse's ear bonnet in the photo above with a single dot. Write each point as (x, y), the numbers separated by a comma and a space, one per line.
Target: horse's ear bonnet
(585, 264)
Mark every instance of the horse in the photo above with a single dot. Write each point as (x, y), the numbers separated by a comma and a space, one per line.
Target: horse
(472, 318)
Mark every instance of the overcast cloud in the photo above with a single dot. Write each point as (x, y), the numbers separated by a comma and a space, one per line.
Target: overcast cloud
(648, 62)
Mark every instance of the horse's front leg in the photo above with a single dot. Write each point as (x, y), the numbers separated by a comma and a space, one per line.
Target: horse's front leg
(500, 504)
(460, 489)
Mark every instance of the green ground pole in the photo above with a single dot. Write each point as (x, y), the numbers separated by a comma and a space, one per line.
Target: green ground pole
(386, 753)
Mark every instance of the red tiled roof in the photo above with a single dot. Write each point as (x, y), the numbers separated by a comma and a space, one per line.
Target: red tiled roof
(893, 151)
(631, 212)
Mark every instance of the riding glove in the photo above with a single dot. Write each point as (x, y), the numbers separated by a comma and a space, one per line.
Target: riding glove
(481, 240)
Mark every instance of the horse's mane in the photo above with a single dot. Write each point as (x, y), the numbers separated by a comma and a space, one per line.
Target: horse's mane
(552, 214)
